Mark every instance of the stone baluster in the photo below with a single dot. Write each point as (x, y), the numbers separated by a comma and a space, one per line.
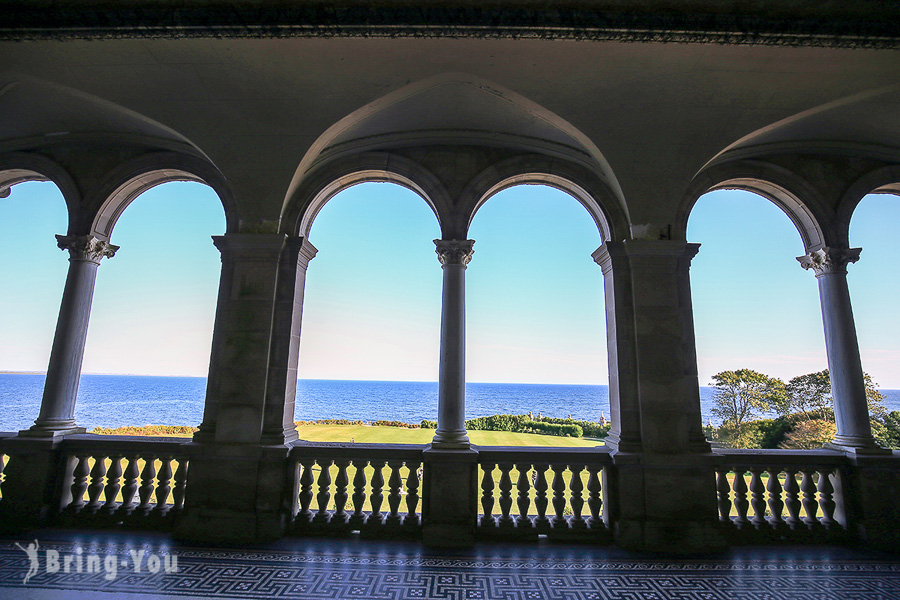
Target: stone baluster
(412, 495)
(79, 483)
(559, 497)
(358, 518)
(307, 479)
(487, 495)
(810, 505)
(98, 483)
(776, 505)
(340, 492)
(454, 255)
(723, 489)
(324, 494)
(540, 497)
(595, 500)
(57, 415)
(395, 483)
(576, 499)
(740, 498)
(791, 497)
(131, 486)
(757, 498)
(523, 501)
(376, 498)
(145, 492)
(163, 485)
(113, 484)
(180, 484)
(826, 498)
(505, 500)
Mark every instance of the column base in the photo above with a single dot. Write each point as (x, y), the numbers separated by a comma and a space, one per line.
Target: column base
(449, 497)
(52, 430)
(450, 440)
(856, 446)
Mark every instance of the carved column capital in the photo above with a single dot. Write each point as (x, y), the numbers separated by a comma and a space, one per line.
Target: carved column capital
(454, 252)
(829, 260)
(86, 247)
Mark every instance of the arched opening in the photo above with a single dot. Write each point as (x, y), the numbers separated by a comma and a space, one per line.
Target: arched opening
(153, 311)
(33, 277)
(754, 307)
(874, 287)
(369, 345)
(536, 333)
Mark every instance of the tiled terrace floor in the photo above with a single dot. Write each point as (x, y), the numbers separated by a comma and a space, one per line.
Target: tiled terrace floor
(359, 569)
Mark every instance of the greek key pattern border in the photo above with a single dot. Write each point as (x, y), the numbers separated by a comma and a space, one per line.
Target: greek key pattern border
(317, 573)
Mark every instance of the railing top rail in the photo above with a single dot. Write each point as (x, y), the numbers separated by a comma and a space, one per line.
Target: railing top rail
(333, 450)
(778, 457)
(595, 455)
(6, 435)
(124, 444)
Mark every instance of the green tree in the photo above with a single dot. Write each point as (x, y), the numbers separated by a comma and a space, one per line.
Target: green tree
(886, 429)
(744, 394)
(810, 394)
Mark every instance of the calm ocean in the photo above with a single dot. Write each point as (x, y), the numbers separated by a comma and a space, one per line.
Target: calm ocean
(117, 400)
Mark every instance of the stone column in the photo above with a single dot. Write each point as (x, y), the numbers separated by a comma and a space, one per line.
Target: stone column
(662, 481)
(451, 430)
(848, 388)
(238, 366)
(57, 416)
(654, 390)
(450, 489)
(284, 352)
(238, 490)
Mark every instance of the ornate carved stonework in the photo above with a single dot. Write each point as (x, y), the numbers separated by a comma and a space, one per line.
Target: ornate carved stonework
(829, 260)
(454, 252)
(86, 247)
(843, 25)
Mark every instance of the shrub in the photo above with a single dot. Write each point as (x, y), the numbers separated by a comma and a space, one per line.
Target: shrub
(809, 434)
(542, 425)
(589, 428)
(384, 423)
(330, 422)
(560, 429)
(886, 429)
(426, 424)
(515, 423)
(146, 430)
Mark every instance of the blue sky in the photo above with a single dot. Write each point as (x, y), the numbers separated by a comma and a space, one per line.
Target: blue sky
(372, 306)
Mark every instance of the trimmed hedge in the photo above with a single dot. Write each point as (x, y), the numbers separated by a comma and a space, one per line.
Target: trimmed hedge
(541, 425)
(331, 422)
(589, 428)
(145, 430)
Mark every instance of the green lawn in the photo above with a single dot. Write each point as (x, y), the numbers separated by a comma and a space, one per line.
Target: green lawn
(363, 434)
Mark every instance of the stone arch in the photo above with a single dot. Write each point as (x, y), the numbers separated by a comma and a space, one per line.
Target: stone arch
(426, 114)
(589, 189)
(134, 178)
(19, 167)
(884, 180)
(789, 192)
(327, 180)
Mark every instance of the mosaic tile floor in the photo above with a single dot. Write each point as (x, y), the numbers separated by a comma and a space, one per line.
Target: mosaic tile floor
(356, 569)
